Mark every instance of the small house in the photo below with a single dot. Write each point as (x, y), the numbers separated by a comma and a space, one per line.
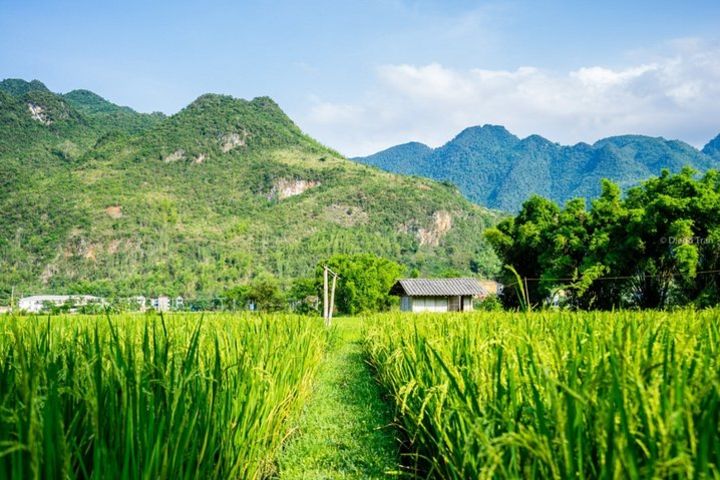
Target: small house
(437, 295)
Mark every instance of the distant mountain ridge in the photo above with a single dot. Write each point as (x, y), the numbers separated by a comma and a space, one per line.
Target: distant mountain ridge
(98, 198)
(495, 168)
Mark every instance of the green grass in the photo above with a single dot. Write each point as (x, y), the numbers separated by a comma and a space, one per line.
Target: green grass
(135, 396)
(554, 395)
(345, 430)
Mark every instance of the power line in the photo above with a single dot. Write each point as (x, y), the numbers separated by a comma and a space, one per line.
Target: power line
(611, 277)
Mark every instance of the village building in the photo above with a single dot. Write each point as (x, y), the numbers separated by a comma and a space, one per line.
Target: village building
(161, 303)
(438, 295)
(39, 303)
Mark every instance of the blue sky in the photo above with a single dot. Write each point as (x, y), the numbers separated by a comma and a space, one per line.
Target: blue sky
(364, 75)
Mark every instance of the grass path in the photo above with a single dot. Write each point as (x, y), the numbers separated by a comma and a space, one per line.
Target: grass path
(344, 431)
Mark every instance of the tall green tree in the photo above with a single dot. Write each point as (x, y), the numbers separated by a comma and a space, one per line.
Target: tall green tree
(644, 250)
(521, 242)
(664, 222)
(607, 252)
(365, 282)
(263, 292)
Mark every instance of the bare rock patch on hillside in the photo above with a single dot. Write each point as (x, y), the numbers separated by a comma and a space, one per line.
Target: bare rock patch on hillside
(37, 113)
(285, 188)
(233, 140)
(441, 225)
(176, 156)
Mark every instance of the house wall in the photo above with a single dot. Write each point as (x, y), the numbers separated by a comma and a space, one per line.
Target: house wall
(429, 304)
(467, 304)
(436, 304)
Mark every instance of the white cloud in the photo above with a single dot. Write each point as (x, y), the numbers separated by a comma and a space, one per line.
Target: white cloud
(676, 95)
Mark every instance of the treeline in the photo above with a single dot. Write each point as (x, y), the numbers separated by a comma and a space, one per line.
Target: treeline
(654, 247)
(363, 286)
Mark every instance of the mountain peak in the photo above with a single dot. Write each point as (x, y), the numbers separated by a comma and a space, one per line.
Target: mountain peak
(621, 141)
(214, 121)
(210, 99)
(713, 148)
(18, 86)
(489, 136)
(493, 167)
(265, 102)
(486, 130)
(91, 102)
(223, 102)
(536, 140)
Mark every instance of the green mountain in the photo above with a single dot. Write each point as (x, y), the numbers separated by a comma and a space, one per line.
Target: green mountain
(18, 87)
(712, 149)
(107, 115)
(495, 168)
(101, 199)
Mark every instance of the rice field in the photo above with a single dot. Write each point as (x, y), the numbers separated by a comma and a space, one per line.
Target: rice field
(482, 395)
(135, 396)
(554, 395)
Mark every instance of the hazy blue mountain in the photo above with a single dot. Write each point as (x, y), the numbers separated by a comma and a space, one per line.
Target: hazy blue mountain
(713, 148)
(493, 167)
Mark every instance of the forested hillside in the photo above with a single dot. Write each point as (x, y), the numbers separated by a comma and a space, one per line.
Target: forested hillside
(98, 198)
(495, 168)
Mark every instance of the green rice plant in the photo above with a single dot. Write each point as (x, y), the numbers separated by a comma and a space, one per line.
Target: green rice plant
(136, 396)
(554, 394)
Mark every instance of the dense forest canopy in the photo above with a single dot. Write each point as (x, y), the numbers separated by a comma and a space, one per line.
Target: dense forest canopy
(655, 247)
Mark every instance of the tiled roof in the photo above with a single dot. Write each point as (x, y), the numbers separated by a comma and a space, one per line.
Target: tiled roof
(439, 287)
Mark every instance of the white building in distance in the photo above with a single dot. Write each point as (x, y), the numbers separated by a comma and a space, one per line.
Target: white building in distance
(161, 303)
(38, 303)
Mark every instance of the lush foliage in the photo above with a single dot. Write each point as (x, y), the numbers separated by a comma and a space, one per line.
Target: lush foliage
(656, 247)
(497, 169)
(146, 397)
(103, 200)
(555, 395)
(365, 281)
(263, 293)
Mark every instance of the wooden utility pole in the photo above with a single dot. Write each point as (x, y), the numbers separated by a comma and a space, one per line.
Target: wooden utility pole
(328, 307)
(325, 293)
(332, 300)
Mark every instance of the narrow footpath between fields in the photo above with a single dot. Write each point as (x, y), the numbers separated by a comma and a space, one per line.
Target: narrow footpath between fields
(344, 431)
